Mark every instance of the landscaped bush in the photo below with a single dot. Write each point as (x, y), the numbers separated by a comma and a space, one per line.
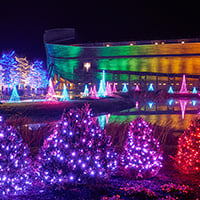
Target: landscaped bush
(142, 155)
(16, 175)
(187, 159)
(78, 151)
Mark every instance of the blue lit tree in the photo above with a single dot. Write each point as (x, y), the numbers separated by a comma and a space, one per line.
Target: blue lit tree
(171, 90)
(8, 63)
(34, 77)
(37, 77)
(150, 88)
(86, 91)
(77, 152)
(14, 95)
(42, 74)
(125, 89)
(1, 77)
(65, 95)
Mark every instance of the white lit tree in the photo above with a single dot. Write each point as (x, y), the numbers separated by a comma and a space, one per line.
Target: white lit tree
(23, 67)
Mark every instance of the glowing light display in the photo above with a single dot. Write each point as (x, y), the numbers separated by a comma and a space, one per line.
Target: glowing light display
(170, 102)
(125, 89)
(183, 104)
(194, 90)
(150, 104)
(108, 91)
(86, 91)
(65, 95)
(16, 176)
(150, 88)
(23, 67)
(101, 91)
(183, 86)
(142, 155)
(137, 104)
(8, 62)
(187, 159)
(171, 91)
(102, 86)
(114, 88)
(77, 151)
(93, 92)
(137, 88)
(51, 95)
(14, 95)
(194, 102)
(38, 77)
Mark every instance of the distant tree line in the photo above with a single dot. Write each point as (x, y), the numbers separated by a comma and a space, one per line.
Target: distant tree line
(18, 71)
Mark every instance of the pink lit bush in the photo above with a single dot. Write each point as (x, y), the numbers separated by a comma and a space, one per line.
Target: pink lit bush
(142, 155)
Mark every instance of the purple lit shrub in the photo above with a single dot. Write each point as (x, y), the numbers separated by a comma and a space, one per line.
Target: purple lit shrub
(142, 155)
(16, 177)
(78, 151)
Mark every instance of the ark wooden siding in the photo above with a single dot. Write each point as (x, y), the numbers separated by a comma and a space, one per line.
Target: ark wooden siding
(166, 58)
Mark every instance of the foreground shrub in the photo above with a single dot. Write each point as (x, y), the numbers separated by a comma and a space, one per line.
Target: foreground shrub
(187, 160)
(77, 151)
(142, 155)
(16, 176)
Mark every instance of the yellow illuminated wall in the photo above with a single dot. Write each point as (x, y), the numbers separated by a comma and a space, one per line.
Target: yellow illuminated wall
(167, 58)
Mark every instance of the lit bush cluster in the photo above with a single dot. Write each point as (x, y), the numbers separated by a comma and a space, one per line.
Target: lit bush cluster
(77, 152)
(15, 172)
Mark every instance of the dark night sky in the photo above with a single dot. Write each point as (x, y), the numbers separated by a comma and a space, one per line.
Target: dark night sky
(22, 24)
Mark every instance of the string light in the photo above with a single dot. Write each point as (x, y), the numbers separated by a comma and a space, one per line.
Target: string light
(77, 151)
(142, 155)
(16, 175)
(187, 159)
(51, 95)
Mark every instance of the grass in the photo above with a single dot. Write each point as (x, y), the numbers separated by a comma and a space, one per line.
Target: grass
(33, 136)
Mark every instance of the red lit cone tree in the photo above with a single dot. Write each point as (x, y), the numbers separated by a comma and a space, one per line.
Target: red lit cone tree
(77, 151)
(142, 155)
(187, 159)
(15, 172)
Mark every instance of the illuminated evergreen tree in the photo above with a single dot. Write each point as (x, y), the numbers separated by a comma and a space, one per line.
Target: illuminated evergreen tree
(14, 95)
(142, 155)
(187, 159)
(78, 151)
(16, 176)
(65, 95)
(51, 95)
(125, 89)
